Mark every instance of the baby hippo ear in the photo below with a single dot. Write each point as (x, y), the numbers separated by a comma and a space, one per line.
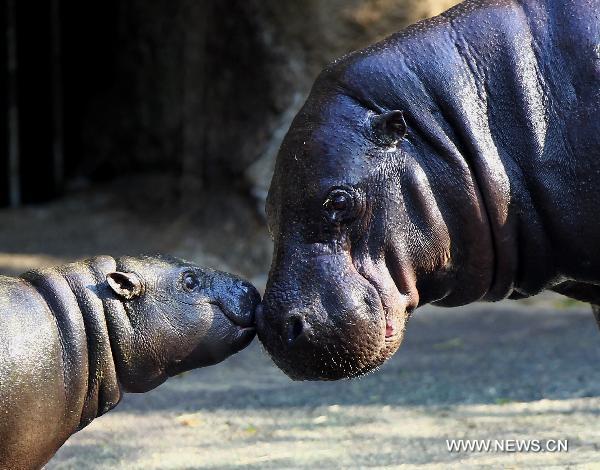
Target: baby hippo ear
(125, 285)
(389, 128)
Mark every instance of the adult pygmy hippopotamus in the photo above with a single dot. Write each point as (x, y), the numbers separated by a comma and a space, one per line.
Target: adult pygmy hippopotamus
(74, 337)
(456, 161)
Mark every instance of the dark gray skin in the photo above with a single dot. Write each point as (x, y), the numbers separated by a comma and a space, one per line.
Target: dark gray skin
(74, 338)
(453, 162)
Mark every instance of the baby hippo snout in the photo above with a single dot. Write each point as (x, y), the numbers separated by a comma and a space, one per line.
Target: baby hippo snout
(221, 320)
(237, 298)
(197, 316)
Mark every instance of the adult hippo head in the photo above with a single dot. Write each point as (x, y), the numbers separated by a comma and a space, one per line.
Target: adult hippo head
(429, 168)
(356, 210)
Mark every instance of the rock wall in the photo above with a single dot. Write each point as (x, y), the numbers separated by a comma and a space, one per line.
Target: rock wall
(201, 89)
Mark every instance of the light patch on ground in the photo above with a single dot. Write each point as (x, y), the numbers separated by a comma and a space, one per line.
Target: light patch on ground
(348, 437)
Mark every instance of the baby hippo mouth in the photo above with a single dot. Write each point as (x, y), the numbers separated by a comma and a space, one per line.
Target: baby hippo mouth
(244, 322)
(238, 308)
(241, 328)
(230, 315)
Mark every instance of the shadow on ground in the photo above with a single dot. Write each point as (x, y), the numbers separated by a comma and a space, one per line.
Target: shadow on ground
(482, 354)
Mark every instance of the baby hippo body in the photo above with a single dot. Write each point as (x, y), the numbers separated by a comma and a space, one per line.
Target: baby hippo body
(74, 338)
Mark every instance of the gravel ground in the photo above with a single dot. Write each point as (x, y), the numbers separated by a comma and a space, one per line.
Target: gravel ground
(512, 370)
(486, 372)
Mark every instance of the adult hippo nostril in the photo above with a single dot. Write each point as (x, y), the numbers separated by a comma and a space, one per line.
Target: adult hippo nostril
(295, 329)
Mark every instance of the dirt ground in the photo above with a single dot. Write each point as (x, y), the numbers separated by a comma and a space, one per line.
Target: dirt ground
(512, 370)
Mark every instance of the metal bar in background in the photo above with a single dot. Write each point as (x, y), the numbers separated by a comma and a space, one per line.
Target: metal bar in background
(3, 108)
(57, 99)
(14, 184)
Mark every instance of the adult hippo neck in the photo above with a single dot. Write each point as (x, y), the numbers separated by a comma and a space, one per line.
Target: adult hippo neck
(453, 162)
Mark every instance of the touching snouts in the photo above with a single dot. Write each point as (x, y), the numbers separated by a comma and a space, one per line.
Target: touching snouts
(238, 299)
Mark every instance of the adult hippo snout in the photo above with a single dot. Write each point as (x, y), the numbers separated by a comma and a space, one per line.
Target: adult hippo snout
(321, 319)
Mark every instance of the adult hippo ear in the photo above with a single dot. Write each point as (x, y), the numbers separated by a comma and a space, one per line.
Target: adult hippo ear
(388, 128)
(125, 285)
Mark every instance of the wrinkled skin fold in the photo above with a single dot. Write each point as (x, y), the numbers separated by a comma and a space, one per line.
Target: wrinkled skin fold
(453, 162)
(73, 338)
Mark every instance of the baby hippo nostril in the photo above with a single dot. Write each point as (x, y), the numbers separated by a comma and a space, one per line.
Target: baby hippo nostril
(295, 329)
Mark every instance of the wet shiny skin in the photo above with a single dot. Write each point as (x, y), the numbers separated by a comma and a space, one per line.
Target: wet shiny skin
(487, 190)
(72, 342)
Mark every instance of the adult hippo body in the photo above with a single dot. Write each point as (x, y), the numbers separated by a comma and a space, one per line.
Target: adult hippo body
(73, 338)
(456, 161)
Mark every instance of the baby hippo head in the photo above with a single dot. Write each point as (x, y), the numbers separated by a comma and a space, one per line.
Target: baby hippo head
(179, 317)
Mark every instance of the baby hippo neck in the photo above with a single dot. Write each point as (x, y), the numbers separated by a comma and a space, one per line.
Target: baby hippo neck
(88, 319)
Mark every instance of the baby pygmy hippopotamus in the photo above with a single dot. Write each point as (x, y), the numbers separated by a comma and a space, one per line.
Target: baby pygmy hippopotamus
(73, 338)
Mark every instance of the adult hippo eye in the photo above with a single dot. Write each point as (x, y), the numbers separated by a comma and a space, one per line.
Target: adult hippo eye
(339, 205)
(191, 282)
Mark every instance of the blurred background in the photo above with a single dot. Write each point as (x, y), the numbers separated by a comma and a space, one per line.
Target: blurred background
(160, 119)
(130, 126)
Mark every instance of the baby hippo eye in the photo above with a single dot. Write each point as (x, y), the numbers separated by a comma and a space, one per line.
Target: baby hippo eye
(191, 281)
